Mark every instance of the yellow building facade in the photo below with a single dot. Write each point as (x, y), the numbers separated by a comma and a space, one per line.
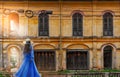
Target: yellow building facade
(61, 49)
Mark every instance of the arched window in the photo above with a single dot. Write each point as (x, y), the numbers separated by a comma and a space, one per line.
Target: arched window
(14, 58)
(108, 57)
(43, 24)
(14, 23)
(77, 23)
(107, 24)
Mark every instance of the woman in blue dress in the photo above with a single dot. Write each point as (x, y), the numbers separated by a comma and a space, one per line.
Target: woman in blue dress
(28, 67)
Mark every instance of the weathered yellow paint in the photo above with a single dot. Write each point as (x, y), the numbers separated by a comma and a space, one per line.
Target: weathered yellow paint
(62, 17)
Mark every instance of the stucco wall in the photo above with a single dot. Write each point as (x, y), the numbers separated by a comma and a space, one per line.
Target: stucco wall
(62, 17)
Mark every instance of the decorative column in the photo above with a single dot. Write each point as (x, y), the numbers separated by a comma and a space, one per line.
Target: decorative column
(90, 59)
(94, 59)
(1, 56)
(64, 59)
(59, 58)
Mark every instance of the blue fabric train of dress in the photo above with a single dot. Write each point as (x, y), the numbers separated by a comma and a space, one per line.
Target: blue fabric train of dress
(28, 67)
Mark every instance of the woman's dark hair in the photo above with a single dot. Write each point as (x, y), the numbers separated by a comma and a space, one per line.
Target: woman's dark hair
(27, 47)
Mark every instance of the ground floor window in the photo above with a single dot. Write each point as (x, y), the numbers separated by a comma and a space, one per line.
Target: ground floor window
(45, 60)
(77, 60)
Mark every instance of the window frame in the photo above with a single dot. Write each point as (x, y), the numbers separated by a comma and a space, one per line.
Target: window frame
(107, 25)
(79, 27)
(43, 16)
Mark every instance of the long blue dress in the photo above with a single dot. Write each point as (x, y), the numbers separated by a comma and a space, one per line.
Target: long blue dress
(28, 67)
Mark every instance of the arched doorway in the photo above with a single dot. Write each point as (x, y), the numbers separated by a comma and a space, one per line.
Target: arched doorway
(14, 58)
(107, 57)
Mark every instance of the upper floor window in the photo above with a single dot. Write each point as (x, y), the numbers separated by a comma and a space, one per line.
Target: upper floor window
(14, 24)
(107, 24)
(43, 23)
(77, 23)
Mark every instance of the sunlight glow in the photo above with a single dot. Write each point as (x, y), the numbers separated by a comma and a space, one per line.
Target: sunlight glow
(12, 25)
(14, 57)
